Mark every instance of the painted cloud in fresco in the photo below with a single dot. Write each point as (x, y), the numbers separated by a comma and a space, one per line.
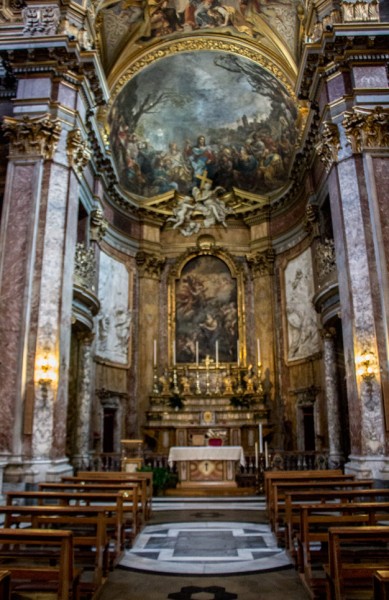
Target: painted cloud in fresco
(174, 123)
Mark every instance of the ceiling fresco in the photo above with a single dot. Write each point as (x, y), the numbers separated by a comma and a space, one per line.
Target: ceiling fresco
(133, 23)
(197, 116)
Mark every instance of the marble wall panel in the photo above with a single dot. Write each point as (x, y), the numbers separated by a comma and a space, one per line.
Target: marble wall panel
(370, 77)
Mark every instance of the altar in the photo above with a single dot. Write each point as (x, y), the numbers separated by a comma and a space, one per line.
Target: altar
(206, 465)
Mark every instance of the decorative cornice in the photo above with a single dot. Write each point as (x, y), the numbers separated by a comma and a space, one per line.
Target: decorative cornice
(32, 136)
(41, 19)
(77, 151)
(98, 225)
(367, 129)
(262, 263)
(149, 265)
(360, 11)
(329, 145)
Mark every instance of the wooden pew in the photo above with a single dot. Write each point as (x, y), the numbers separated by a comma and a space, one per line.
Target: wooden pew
(38, 561)
(91, 539)
(349, 493)
(277, 509)
(143, 478)
(132, 489)
(5, 585)
(312, 539)
(272, 476)
(381, 585)
(124, 504)
(348, 580)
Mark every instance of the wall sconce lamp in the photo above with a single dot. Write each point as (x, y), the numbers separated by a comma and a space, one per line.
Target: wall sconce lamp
(366, 366)
(46, 371)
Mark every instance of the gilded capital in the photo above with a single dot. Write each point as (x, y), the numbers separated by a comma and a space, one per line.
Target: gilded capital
(77, 151)
(149, 265)
(367, 128)
(262, 263)
(329, 145)
(32, 136)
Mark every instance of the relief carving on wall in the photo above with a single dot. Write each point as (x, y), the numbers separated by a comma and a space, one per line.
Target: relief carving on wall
(77, 151)
(115, 318)
(41, 20)
(302, 326)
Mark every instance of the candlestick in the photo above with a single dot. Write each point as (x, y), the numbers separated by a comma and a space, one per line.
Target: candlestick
(260, 437)
(217, 354)
(155, 353)
(266, 456)
(174, 353)
(256, 455)
(237, 353)
(258, 352)
(197, 353)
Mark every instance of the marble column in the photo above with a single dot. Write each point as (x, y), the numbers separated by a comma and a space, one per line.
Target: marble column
(335, 453)
(359, 287)
(81, 458)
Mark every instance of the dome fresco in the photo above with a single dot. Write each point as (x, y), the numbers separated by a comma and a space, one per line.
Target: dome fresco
(197, 115)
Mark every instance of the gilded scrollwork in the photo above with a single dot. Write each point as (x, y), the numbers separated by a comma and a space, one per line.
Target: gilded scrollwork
(367, 129)
(34, 136)
(149, 265)
(85, 267)
(77, 151)
(329, 145)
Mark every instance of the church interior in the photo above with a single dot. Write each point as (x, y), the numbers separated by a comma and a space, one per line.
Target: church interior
(194, 235)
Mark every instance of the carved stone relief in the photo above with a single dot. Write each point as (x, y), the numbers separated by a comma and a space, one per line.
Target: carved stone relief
(302, 327)
(115, 318)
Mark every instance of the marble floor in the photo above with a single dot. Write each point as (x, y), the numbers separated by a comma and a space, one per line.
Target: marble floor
(205, 549)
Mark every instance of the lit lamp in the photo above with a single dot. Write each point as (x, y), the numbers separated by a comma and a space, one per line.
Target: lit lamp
(46, 371)
(365, 366)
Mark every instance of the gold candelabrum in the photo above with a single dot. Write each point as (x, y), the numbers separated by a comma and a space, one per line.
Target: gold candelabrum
(208, 378)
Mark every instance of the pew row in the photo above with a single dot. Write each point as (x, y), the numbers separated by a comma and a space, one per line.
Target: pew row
(294, 499)
(280, 489)
(5, 584)
(272, 476)
(355, 556)
(142, 478)
(123, 503)
(93, 529)
(38, 561)
(312, 540)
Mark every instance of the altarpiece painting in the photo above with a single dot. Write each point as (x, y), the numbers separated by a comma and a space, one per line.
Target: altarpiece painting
(206, 301)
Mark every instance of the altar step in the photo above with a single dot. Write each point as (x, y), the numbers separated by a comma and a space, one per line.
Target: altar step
(207, 491)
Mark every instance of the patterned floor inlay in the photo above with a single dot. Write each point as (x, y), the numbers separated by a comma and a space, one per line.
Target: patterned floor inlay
(205, 549)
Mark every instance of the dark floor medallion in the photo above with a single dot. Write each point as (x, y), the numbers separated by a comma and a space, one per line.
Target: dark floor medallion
(215, 593)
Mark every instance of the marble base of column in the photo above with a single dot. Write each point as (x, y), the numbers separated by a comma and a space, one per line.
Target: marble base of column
(366, 467)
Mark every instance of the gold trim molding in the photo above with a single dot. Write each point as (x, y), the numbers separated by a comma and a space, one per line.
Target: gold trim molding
(200, 44)
(32, 136)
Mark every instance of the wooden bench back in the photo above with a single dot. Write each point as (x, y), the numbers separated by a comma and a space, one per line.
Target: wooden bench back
(372, 543)
(23, 568)
(270, 476)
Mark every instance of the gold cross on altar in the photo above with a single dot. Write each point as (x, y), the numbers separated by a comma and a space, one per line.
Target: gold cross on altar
(203, 179)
